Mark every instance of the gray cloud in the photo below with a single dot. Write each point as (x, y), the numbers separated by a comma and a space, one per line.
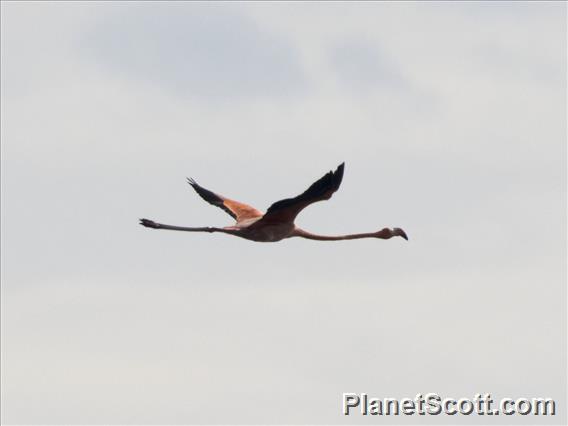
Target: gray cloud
(204, 50)
(361, 66)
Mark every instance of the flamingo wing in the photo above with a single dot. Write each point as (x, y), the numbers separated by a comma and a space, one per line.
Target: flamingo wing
(285, 211)
(239, 211)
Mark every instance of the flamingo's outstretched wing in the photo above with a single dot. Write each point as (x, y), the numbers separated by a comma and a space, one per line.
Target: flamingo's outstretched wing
(285, 211)
(239, 211)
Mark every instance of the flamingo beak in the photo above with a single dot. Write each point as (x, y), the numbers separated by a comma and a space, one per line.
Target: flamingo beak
(401, 233)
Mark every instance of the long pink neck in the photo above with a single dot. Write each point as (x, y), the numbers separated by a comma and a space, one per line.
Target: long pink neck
(384, 234)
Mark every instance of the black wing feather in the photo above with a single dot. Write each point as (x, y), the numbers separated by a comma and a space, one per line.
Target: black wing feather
(320, 190)
(210, 197)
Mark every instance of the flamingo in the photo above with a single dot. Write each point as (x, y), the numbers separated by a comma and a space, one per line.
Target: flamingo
(278, 221)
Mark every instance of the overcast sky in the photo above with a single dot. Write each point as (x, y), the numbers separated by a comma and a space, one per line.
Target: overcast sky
(451, 118)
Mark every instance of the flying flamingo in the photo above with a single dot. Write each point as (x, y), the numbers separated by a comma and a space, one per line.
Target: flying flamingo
(278, 221)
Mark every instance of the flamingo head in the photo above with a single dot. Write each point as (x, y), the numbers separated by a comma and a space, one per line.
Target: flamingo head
(387, 233)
